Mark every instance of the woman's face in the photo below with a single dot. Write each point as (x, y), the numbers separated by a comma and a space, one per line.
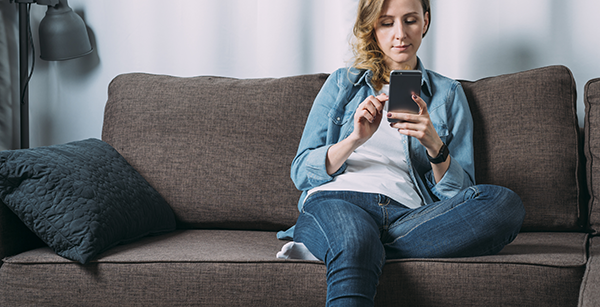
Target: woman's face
(399, 32)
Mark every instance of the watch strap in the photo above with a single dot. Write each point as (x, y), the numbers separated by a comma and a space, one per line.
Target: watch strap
(441, 157)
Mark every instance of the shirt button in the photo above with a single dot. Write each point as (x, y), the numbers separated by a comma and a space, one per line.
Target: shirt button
(338, 118)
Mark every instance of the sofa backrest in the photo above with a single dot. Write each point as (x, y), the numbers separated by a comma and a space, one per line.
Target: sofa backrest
(219, 150)
(526, 138)
(592, 149)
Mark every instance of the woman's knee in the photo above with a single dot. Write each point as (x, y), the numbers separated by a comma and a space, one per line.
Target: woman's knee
(500, 196)
(339, 230)
(505, 203)
(360, 243)
(511, 200)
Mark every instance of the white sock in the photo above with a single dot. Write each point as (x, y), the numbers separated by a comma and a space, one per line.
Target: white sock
(295, 250)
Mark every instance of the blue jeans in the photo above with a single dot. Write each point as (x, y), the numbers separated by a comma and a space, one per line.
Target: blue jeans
(354, 233)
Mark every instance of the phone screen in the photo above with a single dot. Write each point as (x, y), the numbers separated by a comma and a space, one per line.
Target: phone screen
(403, 84)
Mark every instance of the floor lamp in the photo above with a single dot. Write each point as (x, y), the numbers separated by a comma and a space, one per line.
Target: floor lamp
(63, 36)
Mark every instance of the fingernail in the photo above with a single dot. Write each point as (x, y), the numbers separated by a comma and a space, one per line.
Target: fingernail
(390, 114)
(414, 96)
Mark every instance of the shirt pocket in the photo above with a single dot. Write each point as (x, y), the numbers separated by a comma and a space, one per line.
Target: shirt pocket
(340, 116)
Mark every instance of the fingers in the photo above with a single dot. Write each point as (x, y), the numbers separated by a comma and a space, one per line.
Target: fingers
(409, 117)
(372, 107)
(421, 103)
(409, 126)
(414, 131)
(418, 126)
(403, 118)
(415, 125)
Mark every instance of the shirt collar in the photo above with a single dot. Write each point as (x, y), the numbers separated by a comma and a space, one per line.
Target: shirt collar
(365, 76)
(425, 83)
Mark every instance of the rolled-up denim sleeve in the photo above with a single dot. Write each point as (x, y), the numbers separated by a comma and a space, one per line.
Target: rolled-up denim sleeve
(461, 172)
(311, 169)
(309, 166)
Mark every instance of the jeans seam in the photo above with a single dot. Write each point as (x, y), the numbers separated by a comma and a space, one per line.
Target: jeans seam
(475, 190)
(320, 228)
(308, 197)
(433, 217)
(385, 216)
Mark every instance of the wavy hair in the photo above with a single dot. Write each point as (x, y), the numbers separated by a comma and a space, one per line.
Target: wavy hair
(367, 54)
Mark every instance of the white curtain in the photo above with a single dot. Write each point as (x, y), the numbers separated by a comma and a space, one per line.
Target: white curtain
(474, 39)
(240, 38)
(8, 74)
(234, 38)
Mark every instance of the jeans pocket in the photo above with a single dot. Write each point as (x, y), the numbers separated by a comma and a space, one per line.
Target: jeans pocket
(471, 193)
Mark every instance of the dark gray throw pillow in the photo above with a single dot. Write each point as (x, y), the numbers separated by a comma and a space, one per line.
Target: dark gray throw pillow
(81, 198)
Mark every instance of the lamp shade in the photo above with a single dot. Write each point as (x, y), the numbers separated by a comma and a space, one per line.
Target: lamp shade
(63, 34)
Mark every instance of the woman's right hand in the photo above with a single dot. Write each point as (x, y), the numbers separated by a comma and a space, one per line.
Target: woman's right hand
(368, 116)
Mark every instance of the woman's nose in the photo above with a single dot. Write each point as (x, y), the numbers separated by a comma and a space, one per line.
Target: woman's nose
(400, 33)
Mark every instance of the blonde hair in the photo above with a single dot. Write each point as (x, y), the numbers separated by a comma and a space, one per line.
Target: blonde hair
(367, 54)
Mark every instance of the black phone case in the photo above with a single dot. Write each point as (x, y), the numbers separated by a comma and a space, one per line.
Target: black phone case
(403, 84)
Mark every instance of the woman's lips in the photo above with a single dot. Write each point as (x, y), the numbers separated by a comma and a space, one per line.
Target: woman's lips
(401, 47)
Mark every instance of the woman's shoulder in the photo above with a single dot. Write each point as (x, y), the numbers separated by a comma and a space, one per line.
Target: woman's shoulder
(440, 81)
(348, 76)
(446, 91)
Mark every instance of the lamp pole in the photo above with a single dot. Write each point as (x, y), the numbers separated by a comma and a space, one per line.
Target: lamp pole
(63, 36)
(24, 73)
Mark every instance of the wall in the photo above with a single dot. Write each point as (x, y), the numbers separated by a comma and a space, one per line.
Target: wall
(469, 39)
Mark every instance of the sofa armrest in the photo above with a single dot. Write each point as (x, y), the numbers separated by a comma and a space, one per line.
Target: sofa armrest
(15, 237)
(589, 294)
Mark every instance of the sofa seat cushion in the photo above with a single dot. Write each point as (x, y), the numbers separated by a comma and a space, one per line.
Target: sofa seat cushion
(239, 268)
(590, 287)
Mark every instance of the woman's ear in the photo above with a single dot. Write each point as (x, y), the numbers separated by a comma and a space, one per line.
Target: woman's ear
(425, 23)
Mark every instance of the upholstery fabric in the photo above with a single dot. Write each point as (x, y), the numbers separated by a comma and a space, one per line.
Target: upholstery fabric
(205, 180)
(238, 268)
(15, 237)
(195, 139)
(81, 198)
(590, 287)
(219, 150)
(592, 149)
(526, 139)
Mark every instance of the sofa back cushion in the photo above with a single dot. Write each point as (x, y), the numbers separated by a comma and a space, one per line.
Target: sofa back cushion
(592, 149)
(217, 149)
(526, 139)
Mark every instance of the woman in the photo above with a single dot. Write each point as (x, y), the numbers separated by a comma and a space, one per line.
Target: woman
(374, 191)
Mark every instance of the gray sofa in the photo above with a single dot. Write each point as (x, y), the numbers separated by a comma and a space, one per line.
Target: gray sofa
(219, 150)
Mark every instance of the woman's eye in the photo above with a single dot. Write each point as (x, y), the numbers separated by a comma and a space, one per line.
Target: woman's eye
(387, 24)
(410, 21)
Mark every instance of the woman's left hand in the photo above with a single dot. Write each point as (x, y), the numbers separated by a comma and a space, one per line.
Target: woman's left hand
(418, 126)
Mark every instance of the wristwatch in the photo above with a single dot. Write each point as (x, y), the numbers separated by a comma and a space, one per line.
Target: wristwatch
(442, 155)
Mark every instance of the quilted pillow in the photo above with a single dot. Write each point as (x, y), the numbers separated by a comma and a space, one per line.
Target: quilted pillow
(81, 198)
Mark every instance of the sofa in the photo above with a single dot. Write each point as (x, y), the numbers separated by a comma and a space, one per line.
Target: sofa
(218, 151)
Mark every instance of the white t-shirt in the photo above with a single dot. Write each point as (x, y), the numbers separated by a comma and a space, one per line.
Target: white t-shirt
(378, 166)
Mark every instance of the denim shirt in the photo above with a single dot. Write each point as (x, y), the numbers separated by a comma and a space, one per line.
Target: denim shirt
(331, 120)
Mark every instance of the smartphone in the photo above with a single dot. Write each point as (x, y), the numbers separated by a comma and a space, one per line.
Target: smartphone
(403, 84)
